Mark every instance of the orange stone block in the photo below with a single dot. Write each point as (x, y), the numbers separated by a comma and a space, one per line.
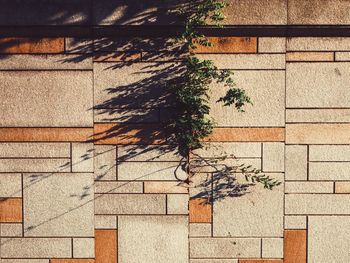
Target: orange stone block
(45, 134)
(295, 246)
(247, 135)
(31, 45)
(72, 261)
(200, 211)
(260, 261)
(11, 210)
(106, 246)
(114, 133)
(229, 45)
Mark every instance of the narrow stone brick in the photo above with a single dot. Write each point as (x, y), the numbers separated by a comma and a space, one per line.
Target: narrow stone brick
(317, 115)
(272, 247)
(125, 115)
(342, 56)
(11, 210)
(200, 230)
(105, 162)
(296, 162)
(83, 248)
(34, 165)
(317, 133)
(295, 246)
(10, 185)
(295, 222)
(76, 45)
(318, 43)
(309, 187)
(11, 230)
(200, 211)
(148, 153)
(273, 157)
(309, 56)
(246, 135)
(31, 45)
(128, 134)
(82, 157)
(317, 204)
(45, 134)
(329, 171)
(105, 246)
(329, 153)
(272, 45)
(229, 45)
(236, 149)
(225, 247)
(260, 261)
(342, 187)
(34, 150)
(177, 204)
(214, 261)
(25, 260)
(117, 57)
(165, 187)
(105, 222)
(72, 261)
(118, 187)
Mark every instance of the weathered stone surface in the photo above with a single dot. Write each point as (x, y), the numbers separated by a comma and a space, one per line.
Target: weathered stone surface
(130, 204)
(10, 185)
(174, 187)
(105, 222)
(328, 239)
(147, 153)
(34, 150)
(36, 248)
(247, 61)
(34, 165)
(342, 187)
(318, 12)
(295, 222)
(44, 62)
(310, 56)
(200, 230)
(169, 234)
(83, 248)
(105, 162)
(118, 187)
(267, 91)
(329, 171)
(148, 171)
(273, 157)
(317, 115)
(251, 214)
(318, 43)
(70, 200)
(320, 204)
(342, 56)
(318, 78)
(309, 187)
(296, 162)
(66, 97)
(272, 247)
(237, 149)
(11, 230)
(82, 157)
(224, 247)
(272, 45)
(329, 153)
(177, 204)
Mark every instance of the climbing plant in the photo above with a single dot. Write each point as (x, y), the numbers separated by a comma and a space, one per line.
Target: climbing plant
(191, 90)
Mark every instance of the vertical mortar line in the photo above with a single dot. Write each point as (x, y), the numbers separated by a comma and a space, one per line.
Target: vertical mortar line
(72, 251)
(262, 156)
(71, 156)
(116, 162)
(64, 45)
(212, 205)
(334, 56)
(257, 45)
(334, 187)
(143, 187)
(261, 249)
(285, 133)
(166, 204)
(308, 164)
(307, 239)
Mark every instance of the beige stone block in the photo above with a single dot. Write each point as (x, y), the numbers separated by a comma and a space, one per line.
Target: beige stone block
(317, 204)
(296, 162)
(295, 222)
(309, 56)
(34, 165)
(342, 56)
(169, 234)
(317, 115)
(82, 157)
(317, 77)
(24, 260)
(177, 204)
(273, 157)
(317, 133)
(200, 230)
(329, 171)
(272, 247)
(246, 61)
(148, 171)
(36, 248)
(309, 187)
(69, 198)
(342, 187)
(130, 204)
(272, 45)
(34, 150)
(105, 222)
(329, 153)
(147, 153)
(213, 260)
(125, 115)
(237, 164)
(105, 162)
(256, 213)
(10, 185)
(236, 149)
(328, 239)
(318, 12)
(66, 97)
(83, 248)
(266, 90)
(176, 187)
(224, 247)
(11, 230)
(118, 187)
(44, 62)
(318, 43)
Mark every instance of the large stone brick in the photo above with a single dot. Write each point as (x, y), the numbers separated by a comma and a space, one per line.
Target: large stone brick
(34, 165)
(326, 85)
(246, 135)
(165, 236)
(309, 187)
(328, 239)
(70, 199)
(66, 97)
(34, 150)
(337, 171)
(317, 115)
(329, 153)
